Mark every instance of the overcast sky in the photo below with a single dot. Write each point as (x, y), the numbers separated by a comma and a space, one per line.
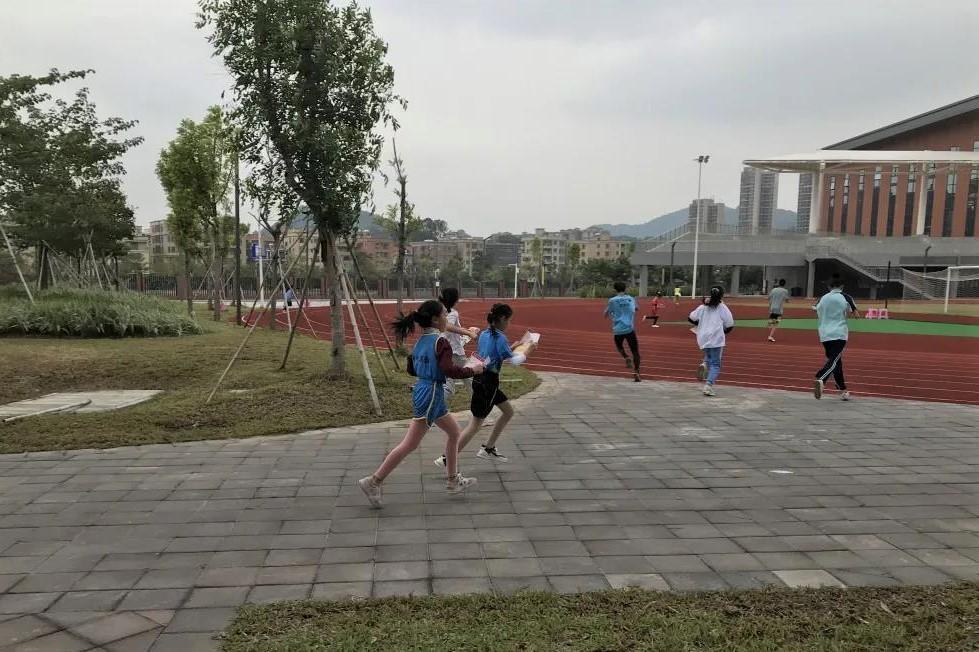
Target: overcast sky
(553, 113)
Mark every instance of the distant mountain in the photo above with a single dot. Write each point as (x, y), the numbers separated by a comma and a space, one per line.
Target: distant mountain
(784, 219)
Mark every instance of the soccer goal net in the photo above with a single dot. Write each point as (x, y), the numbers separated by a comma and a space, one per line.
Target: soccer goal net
(956, 284)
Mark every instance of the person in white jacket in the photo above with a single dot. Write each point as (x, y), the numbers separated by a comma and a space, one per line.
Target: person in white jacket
(714, 321)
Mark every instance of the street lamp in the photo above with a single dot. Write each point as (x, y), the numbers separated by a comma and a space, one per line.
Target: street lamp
(701, 162)
(927, 249)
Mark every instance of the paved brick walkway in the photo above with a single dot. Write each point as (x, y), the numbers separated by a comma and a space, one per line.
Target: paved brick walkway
(610, 484)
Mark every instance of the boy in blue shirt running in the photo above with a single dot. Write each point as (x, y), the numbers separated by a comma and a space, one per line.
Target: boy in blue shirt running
(621, 310)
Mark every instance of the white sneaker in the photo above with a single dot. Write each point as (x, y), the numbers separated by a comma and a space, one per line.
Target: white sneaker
(459, 484)
(491, 454)
(440, 461)
(702, 372)
(845, 396)
(371, 490)
(655, 325)
(817, 389)
(709, 391)
(771, 339)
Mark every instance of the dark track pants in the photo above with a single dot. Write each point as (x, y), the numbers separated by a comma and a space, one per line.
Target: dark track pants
(834, 363)
(633, 347)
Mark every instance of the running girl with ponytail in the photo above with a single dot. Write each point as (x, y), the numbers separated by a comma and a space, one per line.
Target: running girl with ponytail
(494, 350)
(714, 321)
(432, 362)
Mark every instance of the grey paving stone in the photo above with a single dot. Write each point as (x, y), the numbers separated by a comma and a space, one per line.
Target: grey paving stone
(402, 588)
(508, 549)
(114, 627)
(865, 577)
(287, 575)
(341, 590)
(26, 603)
(279, 592)
(347, 555)
(186, 643)
(23, 628)
(140, 599)
(807, 578)
(461, 586)
(705, 581)
(739, 561)
(296, 557)
(401, 571)
(508, 585)
(225, 596)
(520, 567)
(559, 549)
(459, 568)
(89, 600)
(226, 577)
(200, 620)
(578, 583)
(57, 642)
(921, 575)
(168, 579)
(405, 552)
(651, 581)
(46, 582)
(751, 579)
(677, 564)
(568, 566)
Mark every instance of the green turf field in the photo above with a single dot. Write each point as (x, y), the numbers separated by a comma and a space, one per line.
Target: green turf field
(896, 326)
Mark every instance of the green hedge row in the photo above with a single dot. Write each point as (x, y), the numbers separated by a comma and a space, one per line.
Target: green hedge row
(92, 313)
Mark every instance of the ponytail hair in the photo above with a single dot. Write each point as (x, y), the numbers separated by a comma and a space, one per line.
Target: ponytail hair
(403, 325)
(449, 298)
(716, 294)
(497, 312)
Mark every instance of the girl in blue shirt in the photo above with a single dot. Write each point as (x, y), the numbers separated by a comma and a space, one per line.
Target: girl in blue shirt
(494, 350)
(432, 361)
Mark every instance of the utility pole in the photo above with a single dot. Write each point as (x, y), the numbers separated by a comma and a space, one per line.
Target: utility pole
(237, 241)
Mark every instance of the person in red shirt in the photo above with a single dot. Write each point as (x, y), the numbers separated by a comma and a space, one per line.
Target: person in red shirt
(654, 307)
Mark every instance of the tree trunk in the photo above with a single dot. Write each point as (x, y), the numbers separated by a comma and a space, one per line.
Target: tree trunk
(331, 264)
(190, 297)
(402, 243)
(215, 281)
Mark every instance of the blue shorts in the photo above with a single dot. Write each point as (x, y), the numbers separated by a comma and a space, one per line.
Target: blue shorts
(428, 401)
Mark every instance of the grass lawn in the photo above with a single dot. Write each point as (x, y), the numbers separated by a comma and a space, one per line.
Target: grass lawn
(893, 326)
(909, 618)
(269, 402)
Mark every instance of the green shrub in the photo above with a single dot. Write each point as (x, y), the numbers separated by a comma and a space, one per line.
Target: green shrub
(92, 313)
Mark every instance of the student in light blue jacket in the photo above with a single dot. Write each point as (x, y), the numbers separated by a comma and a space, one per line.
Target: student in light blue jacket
(833, 309)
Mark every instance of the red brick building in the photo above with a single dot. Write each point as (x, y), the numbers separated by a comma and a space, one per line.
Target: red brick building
(885, 200)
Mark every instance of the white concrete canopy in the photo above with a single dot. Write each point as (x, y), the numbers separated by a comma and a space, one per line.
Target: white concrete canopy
(860, 159)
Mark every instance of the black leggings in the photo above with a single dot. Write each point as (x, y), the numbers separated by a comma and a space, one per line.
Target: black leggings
(834, 363)
(633, 347)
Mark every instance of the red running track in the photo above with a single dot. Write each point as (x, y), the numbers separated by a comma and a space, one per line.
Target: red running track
(576, 338)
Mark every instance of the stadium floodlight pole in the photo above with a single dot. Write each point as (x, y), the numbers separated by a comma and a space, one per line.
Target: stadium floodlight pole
(516, 277)
(701, 162)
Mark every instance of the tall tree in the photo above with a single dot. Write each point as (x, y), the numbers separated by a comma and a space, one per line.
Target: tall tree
(60, 170)
(574, 259)
(311, 80)
(195, 170)
(400, 222)
(537, 257)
